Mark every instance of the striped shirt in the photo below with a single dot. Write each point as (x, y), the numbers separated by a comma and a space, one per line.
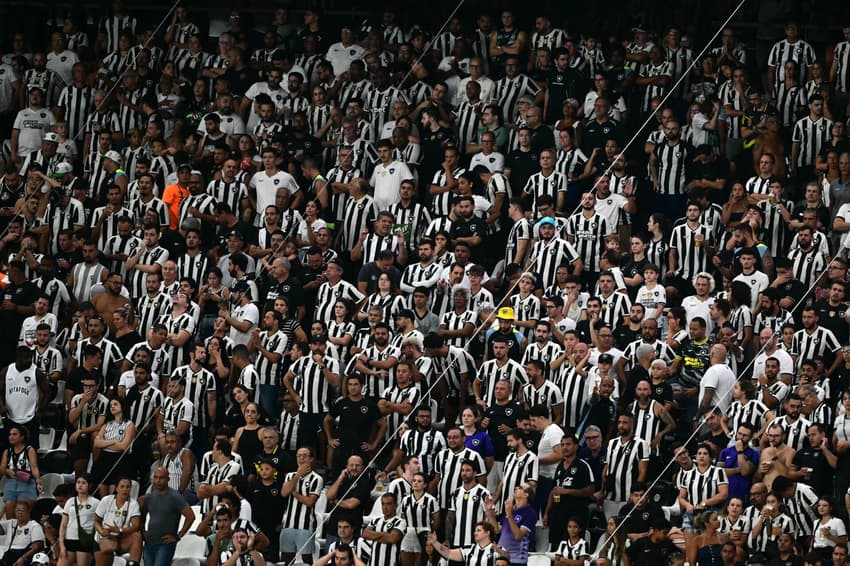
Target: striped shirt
(468, 507)
(386, 554)
(198, 386)
(588, 234)
(572, 384)
(789, 101)
(752, 412)
(442, 204)
(508, 91)
(690, 258)
(150, 310)
(807, 265)
(92, 411)
(311, 384)
(811, 136)
(647, 424)
(622, 462)
(418, 513)
(672, 164)
(648, 70)
(268, 370)
(76, 103)
(328, 295)
(112, 355)
(800, 507)
(218, 473)
(298, 515)
(842, 62)
(447, 465)
(518, 470)
(86, 276)
(144, 404)
(454, 320)
(358, 215)
(547, 395)
(782, 51)
(539, 185)
(492, 372)
(700, 486)
(425, 445)
(521, 230)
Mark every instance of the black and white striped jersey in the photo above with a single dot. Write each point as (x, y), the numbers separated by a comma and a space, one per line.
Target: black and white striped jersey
(811, 136)
(841, 56)
(752, 412)
(701, 485)
(691, 259)
(672, 163)
(57, 292)
(112, 356)
(350, 90)
(425, 445)
(520, 231)
(442, 204)
(801, 508)
(467, 121)
(379, 105)
(452, 366)
(550, 40)
(539, 185)
(94, 410)
(198, 386)
(358, 214)
(649, 70)
(517, 471)
(77, 104)
(339, 201)
(588, 233)
(545, 257)
(109, 227)
(85, 276)
(527, 309)
(311, 384)
(492, 372)
(571, 162)
(789, 102)
(144, 404)
(386, 554)
(418, 513)
(647, 423)
(809, 345)
(298, 515)
(150, 309)
(508, 91)
(783, 51)
(412, 221)
(680, 61)
(807, 265)
(468, 507)
(622, 460)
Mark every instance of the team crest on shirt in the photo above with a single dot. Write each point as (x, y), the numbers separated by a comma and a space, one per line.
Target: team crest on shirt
(364, 409)
(26, 379)
(509, 412)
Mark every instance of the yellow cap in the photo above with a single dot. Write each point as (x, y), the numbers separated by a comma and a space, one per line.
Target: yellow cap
(506, 313)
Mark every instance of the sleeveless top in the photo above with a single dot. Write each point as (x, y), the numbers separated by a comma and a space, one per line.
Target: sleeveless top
(114, 430)
(174, 465)
(21, 394)
(20, 460)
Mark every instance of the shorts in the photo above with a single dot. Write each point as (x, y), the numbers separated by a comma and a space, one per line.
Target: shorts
(82, 449)
(15, 490)
(411, 541)
(76, 546)
(296, 541)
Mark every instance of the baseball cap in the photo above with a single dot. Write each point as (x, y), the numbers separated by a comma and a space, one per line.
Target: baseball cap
(40, 558)
(527, 99)
(62, 169)
(242, 287)
(113, 156)
(640, 28)
(236, 234)
(606, 359)
(506, 313)
(184, 166)
(547, 220)
(406, 313)
(51, 137)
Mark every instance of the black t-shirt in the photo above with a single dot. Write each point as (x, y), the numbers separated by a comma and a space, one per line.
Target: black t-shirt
(523, 164)
(601, 414)
(292, 289)
(641, 519)
(793, 289)
(267, 504)
(468, 228)
(583, 332)
(623, 336)
(282, 461)
(355, 421)
(351, 488)
(808, 457)
(833, 319)
(644, 552)
(793, 560)
(576, 476)
(596, 135)
(78, 374)
(662, 392)
(502, 415)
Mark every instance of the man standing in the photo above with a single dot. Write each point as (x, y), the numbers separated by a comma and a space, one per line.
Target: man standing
(626, 462)
(388, 176)
(571, 495)
(385, 533)
(466, 506)
(715, 387)
(164, 507)
(301, 490)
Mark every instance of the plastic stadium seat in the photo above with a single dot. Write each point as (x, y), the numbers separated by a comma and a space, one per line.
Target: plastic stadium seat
(539, 560)
(46, 437)
(191, 547)
(49, 483)
(119, 561)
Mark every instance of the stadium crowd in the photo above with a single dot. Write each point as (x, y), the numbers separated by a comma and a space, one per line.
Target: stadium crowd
(353, 294)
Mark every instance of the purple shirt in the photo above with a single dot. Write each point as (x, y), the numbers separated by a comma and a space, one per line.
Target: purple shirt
(739, 486)
(525, 518)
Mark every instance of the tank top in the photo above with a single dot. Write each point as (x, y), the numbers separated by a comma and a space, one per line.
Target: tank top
(21, 394)
(113, 430)
(20, 460)
(174, 465)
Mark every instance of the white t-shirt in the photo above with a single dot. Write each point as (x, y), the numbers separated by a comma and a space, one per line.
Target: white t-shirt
(696, 308)
(757, 282)
(340, 57)
(721, 378)
(262, 87)
(113, 516)
(651, 299)
(844, 213)
(86, 510)
(27, 335)
(786, 364)
(551, 437)
(267, 186)
(247, 312)
(62, 64)
(23, 536)
(610, 207)
(836, 528)
(231, 124)
(495, 162)
(387, 179)
(32, 125)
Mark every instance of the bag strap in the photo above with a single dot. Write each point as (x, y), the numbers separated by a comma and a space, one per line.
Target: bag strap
(14, 534)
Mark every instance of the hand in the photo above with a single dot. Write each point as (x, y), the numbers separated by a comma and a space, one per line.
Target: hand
(485, 422)
(8, 305)
(545, 521)
(335, 443)
(739, 446)
(509, 506)
(363, 234)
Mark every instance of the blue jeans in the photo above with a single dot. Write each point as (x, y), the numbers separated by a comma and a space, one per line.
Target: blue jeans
(159, 553)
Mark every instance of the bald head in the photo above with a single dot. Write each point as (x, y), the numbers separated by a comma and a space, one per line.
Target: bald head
(718, 354)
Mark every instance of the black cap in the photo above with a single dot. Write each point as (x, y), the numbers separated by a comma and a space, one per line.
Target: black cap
(236, 234)
(406, 313)
(318, 339)
(242, 287)
(606, 359)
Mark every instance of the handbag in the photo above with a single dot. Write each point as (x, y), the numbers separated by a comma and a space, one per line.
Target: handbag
(86, 539)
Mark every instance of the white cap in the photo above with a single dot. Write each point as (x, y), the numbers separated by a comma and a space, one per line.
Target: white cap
(62, 168)
(114, 156)
(40, 558)
(51, 137)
